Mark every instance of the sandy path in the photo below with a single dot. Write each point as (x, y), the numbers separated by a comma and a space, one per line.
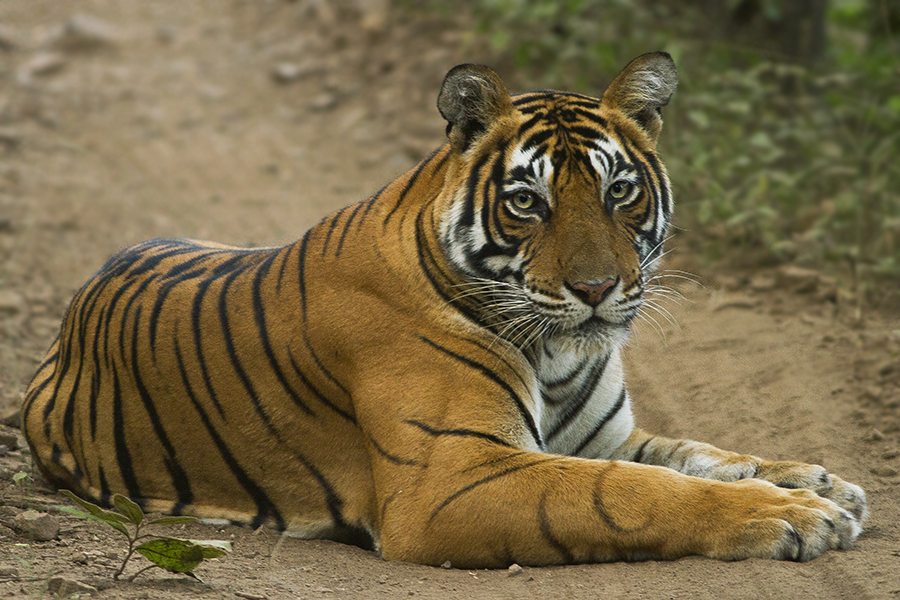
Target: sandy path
(176, 128)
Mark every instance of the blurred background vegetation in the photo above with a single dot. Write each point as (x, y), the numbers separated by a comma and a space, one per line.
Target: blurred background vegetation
(783, 140)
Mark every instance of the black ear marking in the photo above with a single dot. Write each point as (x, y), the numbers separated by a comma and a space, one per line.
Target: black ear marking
(643, 87)
(472, 97)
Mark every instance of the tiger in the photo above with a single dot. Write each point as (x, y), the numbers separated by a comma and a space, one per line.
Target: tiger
(435, 372)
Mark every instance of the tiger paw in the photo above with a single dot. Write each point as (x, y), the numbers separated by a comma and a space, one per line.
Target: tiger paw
(765, 521)
(794, 475)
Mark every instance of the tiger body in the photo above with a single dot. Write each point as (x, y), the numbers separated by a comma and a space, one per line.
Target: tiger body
(437, 368)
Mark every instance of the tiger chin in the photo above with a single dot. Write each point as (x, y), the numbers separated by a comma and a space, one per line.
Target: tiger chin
(436, 370)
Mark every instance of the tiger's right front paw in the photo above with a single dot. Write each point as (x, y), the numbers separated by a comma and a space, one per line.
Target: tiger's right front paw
(771, 522)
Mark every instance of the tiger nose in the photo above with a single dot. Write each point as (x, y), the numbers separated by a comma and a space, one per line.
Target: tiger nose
(593, 293)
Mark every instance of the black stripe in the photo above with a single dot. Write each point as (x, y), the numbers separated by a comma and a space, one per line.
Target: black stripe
(547, 532)
(302, 269)
(468, 488)
(333, 502)
(606, 418)
(582, 395)
(346, 229)
(526, 415)
(284, 263)
(458, 433)
(264, 506)
(123, 454)
(260, 318)
(196, 328)
(180, 481)
(324, 370)
(409, 185)
(639, 455)
(566, 379)
(316, 392)
(231, 350)
(335, 217)
(407, 462)
(369, 204)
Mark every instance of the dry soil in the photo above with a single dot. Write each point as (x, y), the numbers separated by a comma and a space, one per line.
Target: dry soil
(247, 122)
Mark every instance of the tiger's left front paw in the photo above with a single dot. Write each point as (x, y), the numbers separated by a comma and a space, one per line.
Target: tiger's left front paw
(794, 475)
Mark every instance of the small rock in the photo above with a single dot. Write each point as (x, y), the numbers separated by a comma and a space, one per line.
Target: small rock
(876, 436)
(10, 440)
(885, 471)
(9, 38)
(84, 32)
(62, 587)
(11, 416)
(3, 450)
(287, 72)
(872, 392)
(10, 139)
(324, 101)
(514, 570)
(891, 454)
(447, 565)
(9, 573)
(41, 65)
(36, 526)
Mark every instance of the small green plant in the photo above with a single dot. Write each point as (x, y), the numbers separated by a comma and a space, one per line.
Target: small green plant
(21, 479)
(176, 555)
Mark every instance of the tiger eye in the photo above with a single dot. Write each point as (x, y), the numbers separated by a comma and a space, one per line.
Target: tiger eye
(620, 189)
(523, 201)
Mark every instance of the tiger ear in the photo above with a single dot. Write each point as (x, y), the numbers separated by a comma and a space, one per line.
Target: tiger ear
(642, 89)
(472, 97)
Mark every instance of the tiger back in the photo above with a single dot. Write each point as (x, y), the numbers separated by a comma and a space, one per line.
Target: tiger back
(435, 370)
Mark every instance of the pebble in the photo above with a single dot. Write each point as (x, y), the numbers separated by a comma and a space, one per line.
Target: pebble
(9, 38)
(877, 436)
(885, 471)
(324, 101)
(10, 139)
(287, 72)
(40, 65)
(84, 32)
(514, 570)
(10, 440)
(36, 526)
(61, 587)
(891, 454)
(447, 565)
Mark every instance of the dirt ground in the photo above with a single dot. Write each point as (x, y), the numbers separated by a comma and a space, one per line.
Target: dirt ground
(247, 122)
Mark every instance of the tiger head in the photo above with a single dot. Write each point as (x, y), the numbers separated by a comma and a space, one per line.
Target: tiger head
(556, 206)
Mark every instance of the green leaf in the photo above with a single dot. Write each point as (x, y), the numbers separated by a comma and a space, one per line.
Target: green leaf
(172, 554)
(19, 477)
(83, 515)
(128, 508)
(213, 548)
(106, 516)
(173, 520)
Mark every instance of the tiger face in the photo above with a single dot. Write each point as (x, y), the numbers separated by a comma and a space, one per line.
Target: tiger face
(559, 210)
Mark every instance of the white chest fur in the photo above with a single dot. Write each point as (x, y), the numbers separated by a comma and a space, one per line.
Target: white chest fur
(586, 409)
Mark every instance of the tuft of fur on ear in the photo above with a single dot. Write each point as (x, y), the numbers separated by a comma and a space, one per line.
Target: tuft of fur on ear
(472, 97)
(642, 88)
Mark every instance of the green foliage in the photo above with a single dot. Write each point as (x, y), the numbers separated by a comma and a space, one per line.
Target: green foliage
(771, 160)
(172, 554)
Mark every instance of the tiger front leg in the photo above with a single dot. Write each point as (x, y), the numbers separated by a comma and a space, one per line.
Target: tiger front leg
(537, 509)
(704, 460)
